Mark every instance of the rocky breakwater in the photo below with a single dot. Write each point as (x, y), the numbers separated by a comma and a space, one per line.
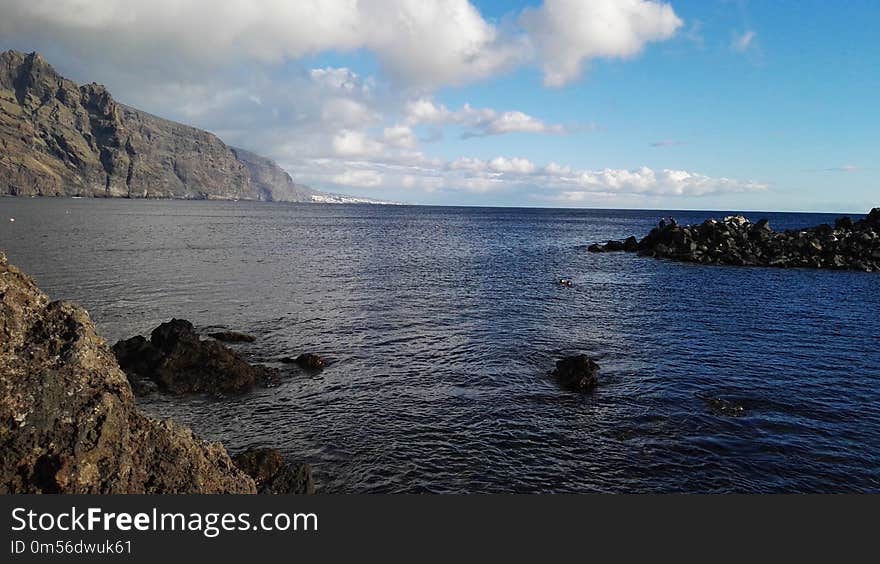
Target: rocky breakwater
(846, 245)
(69, 423)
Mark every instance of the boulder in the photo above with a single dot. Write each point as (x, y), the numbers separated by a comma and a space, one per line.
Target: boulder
(272, 474)
(68, 419)
(762, 225)
(843, 223)
(307, 361)
(577, 373)
(179, 362)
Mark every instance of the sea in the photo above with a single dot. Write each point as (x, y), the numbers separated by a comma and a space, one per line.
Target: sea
(441, 326)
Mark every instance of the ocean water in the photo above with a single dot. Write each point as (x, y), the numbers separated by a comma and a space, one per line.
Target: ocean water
(442, 325)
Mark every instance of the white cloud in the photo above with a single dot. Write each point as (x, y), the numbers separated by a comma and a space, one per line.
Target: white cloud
(510, 122)
(468, 163)
(478, 122)
(348, 143)
(422, 43)
(569, 33)
(501, 175)
(400, 136)
(359, 178)
(515, 165)
(417, 43)
(743, 41)
(340, 79)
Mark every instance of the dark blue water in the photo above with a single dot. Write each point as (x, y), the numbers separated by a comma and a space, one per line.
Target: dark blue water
(443, 324)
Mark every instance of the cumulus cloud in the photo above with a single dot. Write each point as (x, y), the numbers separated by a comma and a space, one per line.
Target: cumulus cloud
(423, 44)
(348, 143)
(569, 33)
(403, 34)
(400, 136)
(478, 122)
(554, 182)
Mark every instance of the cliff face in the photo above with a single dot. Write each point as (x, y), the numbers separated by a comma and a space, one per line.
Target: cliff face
(68, 421)
(61, 139)
(270, 180)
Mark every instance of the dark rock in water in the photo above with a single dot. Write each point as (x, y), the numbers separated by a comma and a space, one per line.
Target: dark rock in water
(724, 407)
(178, 361)
(853, 245)
(232, 337)
(566, 282)
(577, 373)
(272, 474)
(68, 420)
(308, 361)
(615, 246)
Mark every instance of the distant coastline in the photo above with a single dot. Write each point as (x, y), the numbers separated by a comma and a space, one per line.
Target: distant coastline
(323, 198)
(63, 139)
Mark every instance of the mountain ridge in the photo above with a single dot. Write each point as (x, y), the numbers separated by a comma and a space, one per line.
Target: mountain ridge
(58, 138)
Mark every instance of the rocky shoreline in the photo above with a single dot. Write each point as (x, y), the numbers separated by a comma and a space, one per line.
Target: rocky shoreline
(735, 240)
(69, 422)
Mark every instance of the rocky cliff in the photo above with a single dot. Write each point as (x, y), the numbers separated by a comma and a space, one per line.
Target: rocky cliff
(68, 421)
(61, 139)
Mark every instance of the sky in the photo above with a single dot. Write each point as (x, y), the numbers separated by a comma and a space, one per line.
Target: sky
(704, 104)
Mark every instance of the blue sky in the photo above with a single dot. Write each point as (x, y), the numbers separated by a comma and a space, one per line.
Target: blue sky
(628, 103)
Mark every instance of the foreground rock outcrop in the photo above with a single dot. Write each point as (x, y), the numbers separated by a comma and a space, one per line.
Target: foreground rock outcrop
(69, 423)
(176, 360)
(847, 245)
(577, 373)
(61, 139)
(68, 420)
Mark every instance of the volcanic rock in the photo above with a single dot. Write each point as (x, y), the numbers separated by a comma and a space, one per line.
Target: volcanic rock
(307, 361)
(178, 361)
(68, 420)
(272, 474)
(577, 373)
(724, 407)
(852, 245)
